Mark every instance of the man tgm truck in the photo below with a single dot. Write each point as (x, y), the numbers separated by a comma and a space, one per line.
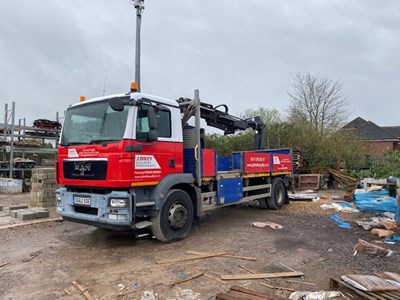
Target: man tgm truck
(134, 161)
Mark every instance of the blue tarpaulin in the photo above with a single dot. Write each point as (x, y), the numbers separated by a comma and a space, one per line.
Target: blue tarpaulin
(340, 222)
(375, 201)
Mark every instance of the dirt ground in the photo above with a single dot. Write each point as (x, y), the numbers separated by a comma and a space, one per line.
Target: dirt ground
(119, 266)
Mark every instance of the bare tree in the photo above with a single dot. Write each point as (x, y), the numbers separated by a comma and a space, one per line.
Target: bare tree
(318, 102)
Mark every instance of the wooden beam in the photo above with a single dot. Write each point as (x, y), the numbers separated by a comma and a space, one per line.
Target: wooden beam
(211, 277)
(170, 261)
(275, 287)
(261, 276)
(187, 279)
(225, 255)
(5, 264)
(83, 290)
(301, 282)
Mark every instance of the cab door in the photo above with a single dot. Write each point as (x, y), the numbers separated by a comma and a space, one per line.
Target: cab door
(159, 155)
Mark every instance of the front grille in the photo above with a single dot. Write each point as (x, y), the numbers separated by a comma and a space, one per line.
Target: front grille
(87, 190)
(86, 210)
(85, 169)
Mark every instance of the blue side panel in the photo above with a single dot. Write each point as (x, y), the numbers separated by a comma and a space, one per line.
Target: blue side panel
(189, 162)
(229, 190)
(236, 160)
(276, 151)
(224, 164)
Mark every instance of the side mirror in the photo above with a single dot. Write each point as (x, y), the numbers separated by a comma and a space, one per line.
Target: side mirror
(153, 136)
(116, 104)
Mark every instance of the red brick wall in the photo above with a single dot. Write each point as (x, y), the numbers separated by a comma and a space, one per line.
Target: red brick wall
(397, 147)
(379, 147)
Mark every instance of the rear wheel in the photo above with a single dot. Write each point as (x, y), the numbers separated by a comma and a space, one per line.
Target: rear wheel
(278, 195)
(174, 219)
(263, 203)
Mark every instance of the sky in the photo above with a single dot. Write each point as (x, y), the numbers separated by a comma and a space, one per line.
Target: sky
(239, 53)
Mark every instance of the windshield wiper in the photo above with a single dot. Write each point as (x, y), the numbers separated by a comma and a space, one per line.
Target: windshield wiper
(103, 142)
(74, 143)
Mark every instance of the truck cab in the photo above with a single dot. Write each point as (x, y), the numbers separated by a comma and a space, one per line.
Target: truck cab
(107, 157)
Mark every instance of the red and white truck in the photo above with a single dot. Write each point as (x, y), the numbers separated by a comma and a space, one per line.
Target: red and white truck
(133, 161)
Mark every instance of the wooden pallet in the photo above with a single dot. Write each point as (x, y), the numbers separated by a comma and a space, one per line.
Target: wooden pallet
(239, 293)
(389, 295)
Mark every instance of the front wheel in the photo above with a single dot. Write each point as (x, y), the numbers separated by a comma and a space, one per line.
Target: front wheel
(278, 195)
(174, 219)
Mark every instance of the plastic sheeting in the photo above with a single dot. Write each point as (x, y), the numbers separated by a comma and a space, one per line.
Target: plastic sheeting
(375, 201)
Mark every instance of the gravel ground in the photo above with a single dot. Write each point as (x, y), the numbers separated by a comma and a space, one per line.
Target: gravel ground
(105, 261)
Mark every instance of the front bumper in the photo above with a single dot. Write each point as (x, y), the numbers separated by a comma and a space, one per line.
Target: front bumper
(98, 213)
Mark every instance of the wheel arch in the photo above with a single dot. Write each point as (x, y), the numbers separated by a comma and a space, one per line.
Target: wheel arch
(184, 182)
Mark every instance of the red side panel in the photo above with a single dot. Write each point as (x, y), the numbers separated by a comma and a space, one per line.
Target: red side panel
(256, 162)
(157, 160)
(208, 156)
(281, 163)
(118, 165)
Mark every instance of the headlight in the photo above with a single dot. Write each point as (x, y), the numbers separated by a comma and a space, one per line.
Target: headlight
(118, 202)
(58, 197)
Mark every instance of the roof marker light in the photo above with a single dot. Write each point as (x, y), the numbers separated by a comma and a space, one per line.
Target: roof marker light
(82, 98)
(134, 87)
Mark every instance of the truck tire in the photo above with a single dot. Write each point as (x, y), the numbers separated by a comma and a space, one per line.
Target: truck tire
(278, 195)
(263, 203)
(174, 219)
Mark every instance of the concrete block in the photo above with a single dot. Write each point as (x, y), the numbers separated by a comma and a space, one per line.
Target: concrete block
(41, 176)
(25, 215)
(41, 212)
(48, 204)
(15, 207)
(13, 213)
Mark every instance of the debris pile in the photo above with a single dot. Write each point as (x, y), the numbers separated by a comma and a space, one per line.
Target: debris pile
(384, 286)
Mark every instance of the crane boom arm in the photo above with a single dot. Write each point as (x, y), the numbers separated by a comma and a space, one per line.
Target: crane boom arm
(223, 120)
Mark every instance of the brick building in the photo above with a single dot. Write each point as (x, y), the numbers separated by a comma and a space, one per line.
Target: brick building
(380, 138)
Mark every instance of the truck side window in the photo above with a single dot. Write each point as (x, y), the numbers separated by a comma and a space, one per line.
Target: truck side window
(142, 123)
(163, 123)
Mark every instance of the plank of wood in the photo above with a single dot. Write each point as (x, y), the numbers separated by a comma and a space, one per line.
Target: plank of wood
(211, 277)
(67, 292)
(276, 287)
(83, 290)
(26, 223)
(261, 276)
(390, 275)
(32, 256)
(225, 255)
(334, 283)
(301, 282)
(248, 270)
(171, 261)
(388, 295)
(5, 264)
(214, 278)
(236, 295)
(187, 279)
(254, 293)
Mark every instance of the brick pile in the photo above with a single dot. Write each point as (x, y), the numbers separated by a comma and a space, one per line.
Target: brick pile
(43, 187)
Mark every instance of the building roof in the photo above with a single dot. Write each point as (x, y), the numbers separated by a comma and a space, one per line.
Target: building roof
(395, 130)
(370, 131)
(356, 123)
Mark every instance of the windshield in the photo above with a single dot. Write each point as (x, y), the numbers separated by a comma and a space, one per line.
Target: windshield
(93, 123)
